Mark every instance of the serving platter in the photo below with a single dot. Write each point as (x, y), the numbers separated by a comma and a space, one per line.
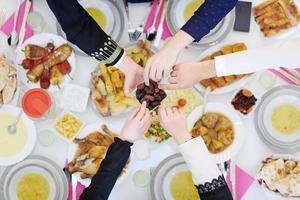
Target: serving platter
(238, 127)
(34, 164)
(31, 136)
(85, 132)
(271, 194)
(42, 40)
(229, 87)
(114, 15)
(175, 21)
(282, 35)
(162, 176)
(279, 95)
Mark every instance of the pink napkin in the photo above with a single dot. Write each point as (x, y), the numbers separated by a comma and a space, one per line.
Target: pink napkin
(243, 181)
(166, 31)
(79, 187)
(283, 77)
(7, 27)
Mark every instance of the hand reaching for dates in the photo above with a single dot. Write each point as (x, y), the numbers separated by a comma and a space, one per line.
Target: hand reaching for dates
(151, 94)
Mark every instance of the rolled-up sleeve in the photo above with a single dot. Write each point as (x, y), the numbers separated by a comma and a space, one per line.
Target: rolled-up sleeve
(207, 17)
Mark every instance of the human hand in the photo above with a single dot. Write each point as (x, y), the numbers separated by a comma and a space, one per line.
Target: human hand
(137, 124)
(161, 63)
(187, 74)
(133, 75)
(174, 122)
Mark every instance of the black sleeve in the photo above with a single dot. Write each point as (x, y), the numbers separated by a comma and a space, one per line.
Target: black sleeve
(215, 190)
(83, 31)
(110, 169)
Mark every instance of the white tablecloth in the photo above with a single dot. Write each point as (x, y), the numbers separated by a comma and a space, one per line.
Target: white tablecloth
(253, 151)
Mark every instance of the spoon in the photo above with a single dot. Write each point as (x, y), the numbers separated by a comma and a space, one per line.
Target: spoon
(151, 32)
(12, 129)
(206, 94)
(13, 38)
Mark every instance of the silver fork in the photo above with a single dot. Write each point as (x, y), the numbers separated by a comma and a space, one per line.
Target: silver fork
(130, 29)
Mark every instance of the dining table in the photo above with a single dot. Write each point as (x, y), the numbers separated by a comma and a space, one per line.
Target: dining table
(253, 151)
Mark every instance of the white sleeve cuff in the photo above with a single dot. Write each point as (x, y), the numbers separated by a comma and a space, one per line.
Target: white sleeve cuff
(220, 64)
(199, 161)
(117, 65)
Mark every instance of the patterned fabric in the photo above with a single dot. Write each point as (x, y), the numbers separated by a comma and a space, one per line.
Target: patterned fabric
(213, 185)
(207, 17)
(81, 29)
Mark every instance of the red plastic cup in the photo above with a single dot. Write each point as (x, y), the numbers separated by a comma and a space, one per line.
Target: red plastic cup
(36, 103)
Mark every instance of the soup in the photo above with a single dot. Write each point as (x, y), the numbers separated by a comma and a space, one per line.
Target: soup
(191, 8)
(286, 119)
(98, 16)
(11, 144)
(33, 186)
(182, 187)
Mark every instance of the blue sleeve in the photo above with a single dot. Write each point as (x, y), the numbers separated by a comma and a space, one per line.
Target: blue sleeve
(207, 17)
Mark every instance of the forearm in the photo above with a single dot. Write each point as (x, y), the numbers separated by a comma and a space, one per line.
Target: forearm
(282, 54)
(110, 169)
(206, 175)
(207, 17)
(83, 31)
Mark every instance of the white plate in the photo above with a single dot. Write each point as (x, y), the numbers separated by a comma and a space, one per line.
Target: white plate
(284, 34)
(10, 56)
(227, 88)
(42, 40)
(163, 174)
(85, 132)
(105, 9)
(275, 195)
(34, 164)
(273, 104)
(238, 126)
(31, 139)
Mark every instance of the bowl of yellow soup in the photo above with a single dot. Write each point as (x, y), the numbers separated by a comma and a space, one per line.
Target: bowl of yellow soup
(15, 147)
(277, 118)
(172, 180)
(35, 178)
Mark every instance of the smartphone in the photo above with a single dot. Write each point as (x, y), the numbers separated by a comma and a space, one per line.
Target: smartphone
(242, 16)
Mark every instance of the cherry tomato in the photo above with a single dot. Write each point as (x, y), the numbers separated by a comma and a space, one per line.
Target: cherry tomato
(64, 67)
(181, 102)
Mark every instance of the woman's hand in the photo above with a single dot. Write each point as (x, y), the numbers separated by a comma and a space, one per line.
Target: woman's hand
(137, 124)
(187, 74)
(133, 75)
(174, 122)
(160, 64)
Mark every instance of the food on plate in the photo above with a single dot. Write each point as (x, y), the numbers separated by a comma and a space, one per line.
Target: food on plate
(33, 186)
(91, 150)
(12, 144)
(281, 175)
(68, 125)
(156, 132)
(182, 187)
(218, 82)
(98, 16)
(185, 99)
(274, 16)
(8, 81)
(151, 94)
(244, 101)
(216, 130)
(286, 119)
(108, 91)
(190, 9)
(141, 52)
(47, 65)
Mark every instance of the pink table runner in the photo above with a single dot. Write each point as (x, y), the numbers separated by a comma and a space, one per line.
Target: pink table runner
(7, 27)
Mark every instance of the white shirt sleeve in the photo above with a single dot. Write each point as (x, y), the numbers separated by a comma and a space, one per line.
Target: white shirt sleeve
(199, 161)
(281, 54)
